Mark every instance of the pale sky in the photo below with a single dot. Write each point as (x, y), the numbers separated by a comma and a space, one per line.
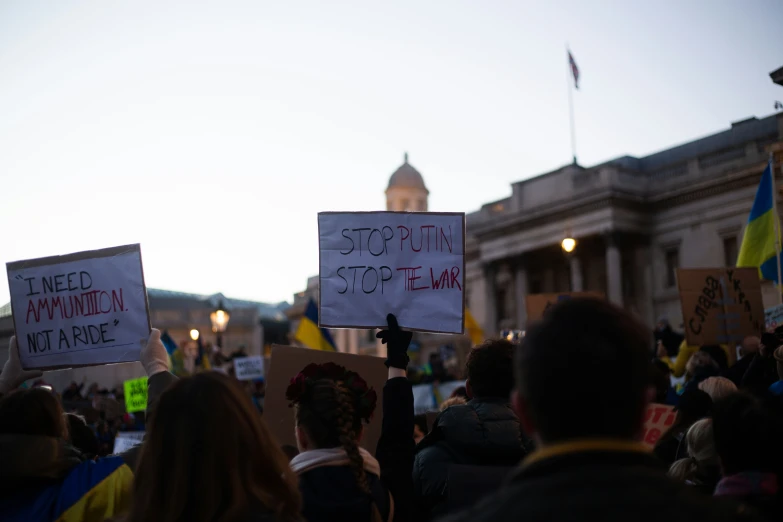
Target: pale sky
(213, 133)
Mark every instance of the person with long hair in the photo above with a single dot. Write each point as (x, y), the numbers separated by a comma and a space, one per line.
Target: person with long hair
(209, 457)
(701, 469)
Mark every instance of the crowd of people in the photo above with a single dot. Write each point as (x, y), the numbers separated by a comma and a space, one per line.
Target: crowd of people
(548, 429)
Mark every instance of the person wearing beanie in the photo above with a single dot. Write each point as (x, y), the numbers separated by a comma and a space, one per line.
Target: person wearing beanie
(42, 476)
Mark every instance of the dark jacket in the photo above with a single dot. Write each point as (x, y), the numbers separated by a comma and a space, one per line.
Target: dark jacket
(330, 494)
(606, 482)
(483, 432)
(46, 479)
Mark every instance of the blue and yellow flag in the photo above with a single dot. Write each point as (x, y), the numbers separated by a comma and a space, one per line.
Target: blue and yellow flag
(474, 331)
(762, 235)
(310, 335)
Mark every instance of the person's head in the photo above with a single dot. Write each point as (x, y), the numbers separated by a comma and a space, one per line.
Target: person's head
(701, 448)
(749, 345)
(419, 427)
(717, 387)
(698, 361)
(694, 405)
(490, 370)
(583, 351)
(32, 412)
(331, 405)
(747, 435)
(660, 379)
(81, 436)
(460, 392)
(663, 324)
(209, 456)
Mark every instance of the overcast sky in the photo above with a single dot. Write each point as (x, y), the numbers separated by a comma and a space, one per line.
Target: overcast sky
(212, 133)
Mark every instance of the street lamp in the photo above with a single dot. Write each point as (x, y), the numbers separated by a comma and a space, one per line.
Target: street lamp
(194, 334)
(219, 319)
(568, 245)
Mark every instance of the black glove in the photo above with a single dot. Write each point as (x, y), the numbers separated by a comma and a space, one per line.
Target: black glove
(397, 342)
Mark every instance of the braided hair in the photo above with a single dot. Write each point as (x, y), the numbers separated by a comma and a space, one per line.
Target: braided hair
(328, 416)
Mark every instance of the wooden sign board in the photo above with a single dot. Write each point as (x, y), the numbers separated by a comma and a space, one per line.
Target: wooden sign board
(286, 362)
(657, 420)
(82, 309)
(537, 304)
(720, 305)
(410, 264)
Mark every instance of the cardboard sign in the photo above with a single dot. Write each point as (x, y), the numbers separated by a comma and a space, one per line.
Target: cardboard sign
(286, 362)
(720, 305)
(376, 263)
(773, 317)
(249, 368)
(657, 421)
(538, 304)
(81, 309)
(125, 440)
(135, 395)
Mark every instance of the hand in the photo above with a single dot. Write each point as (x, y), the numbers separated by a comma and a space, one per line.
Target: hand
(397, 342)
(154, 356)
(13, 375)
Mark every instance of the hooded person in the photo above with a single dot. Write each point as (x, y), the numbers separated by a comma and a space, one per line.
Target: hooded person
(42, 476)
(484, 432)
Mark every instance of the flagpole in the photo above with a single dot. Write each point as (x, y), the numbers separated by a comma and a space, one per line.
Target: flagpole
(777, 225)
(571, 105)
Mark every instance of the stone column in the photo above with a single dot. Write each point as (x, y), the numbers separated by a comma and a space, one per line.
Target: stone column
(490, 311)
(614, 275)
(521, 290)
(353, 341)
(577, 283)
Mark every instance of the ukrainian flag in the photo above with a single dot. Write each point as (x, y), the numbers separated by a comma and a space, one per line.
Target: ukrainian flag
(762, 235)
(310, 335)
(474, 331)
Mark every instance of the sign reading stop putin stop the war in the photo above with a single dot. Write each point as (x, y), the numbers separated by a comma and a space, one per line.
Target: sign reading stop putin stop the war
(410, 264)
(80, 309)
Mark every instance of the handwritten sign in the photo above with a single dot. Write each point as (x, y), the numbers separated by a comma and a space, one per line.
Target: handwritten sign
(249, 368)
(538, 304)
(657, 420)
(135, 395)
(773, 317)
(125, 440)
(81, 309)
(720, 305)
(409, 264)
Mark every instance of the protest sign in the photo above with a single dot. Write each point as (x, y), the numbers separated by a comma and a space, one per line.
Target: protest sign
(125, 440)
(411, 265)
(81, 309)
(135, 395)
(720, 305)
(249, 368)
(286, 362)
(538, 304)
(657, 420)
(773, 317)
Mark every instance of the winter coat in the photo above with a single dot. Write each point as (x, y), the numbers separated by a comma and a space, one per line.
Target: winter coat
(585, 481)
(482, 432)
(45, 479)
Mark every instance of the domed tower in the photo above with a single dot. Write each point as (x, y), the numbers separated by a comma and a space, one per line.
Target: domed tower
(406, 190)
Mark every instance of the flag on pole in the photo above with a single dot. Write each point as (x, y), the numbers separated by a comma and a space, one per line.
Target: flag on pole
(574, 70)
(762, 235)
(310, 335)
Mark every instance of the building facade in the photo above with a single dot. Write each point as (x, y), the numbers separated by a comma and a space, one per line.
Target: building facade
(635, 220)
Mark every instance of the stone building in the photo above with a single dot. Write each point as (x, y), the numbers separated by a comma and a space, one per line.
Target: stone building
(635, 219)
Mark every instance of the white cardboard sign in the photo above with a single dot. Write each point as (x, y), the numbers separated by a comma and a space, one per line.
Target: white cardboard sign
(125, 440)
(81, 309)
(410, 264)
(249, 368)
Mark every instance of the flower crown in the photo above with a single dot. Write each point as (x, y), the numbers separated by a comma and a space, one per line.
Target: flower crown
(304, 380)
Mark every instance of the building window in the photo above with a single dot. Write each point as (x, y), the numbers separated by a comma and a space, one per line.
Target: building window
(730, 252)
(672, 264)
